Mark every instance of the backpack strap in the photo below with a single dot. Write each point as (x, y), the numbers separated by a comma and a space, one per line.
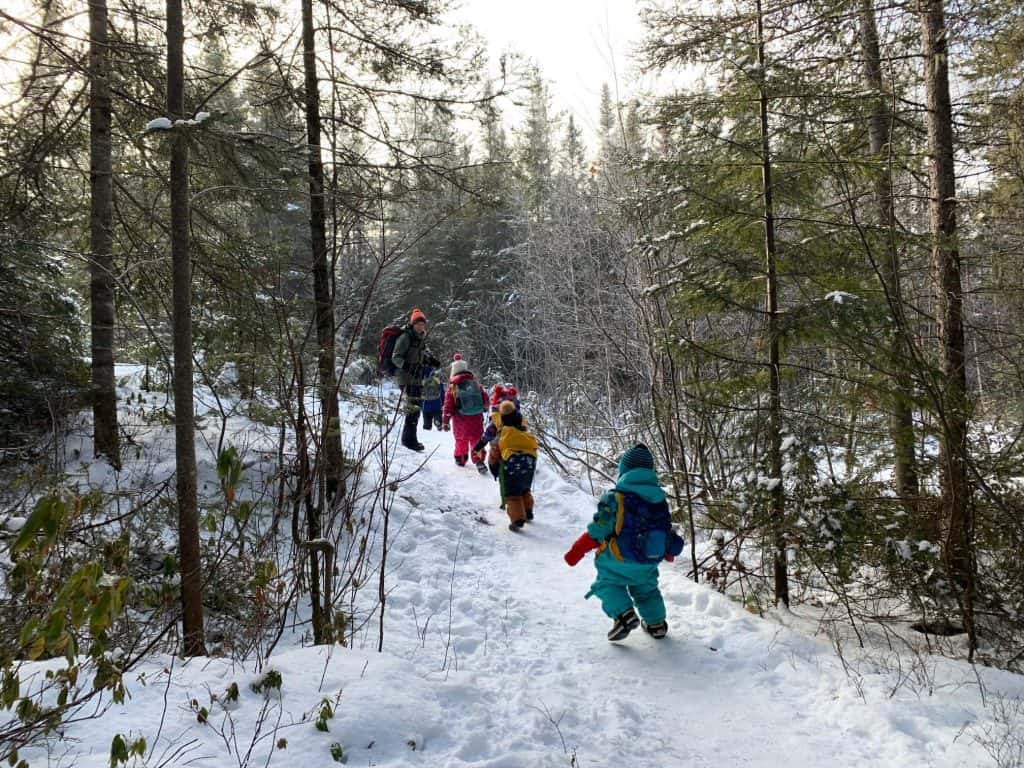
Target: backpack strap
(620, 514)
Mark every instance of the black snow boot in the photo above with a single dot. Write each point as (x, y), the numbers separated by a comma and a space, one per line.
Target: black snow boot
(625, 623)
(516, 526)
(657, 631)
(481, 468)
(460, 460)
(409, 439)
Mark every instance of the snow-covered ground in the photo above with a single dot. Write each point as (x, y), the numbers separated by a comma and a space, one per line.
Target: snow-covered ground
(493, 659)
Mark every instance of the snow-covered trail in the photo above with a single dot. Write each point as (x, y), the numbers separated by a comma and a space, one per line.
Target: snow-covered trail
(528, 667)
(493, 659)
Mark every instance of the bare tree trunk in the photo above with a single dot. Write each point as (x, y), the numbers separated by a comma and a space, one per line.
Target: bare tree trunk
(330, 455)
(101, 223)
(778, 501)
(953, 411)
(901, 421)
(184, 415)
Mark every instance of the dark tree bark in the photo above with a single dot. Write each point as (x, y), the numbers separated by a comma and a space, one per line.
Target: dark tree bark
(101, 223)
(184, 414)
(952, 390)
(778, 500)
(330, 457)
(901, 422)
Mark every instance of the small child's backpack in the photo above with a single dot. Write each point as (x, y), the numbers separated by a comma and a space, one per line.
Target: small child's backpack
(469, 400)
(433, 387)
(643, 530)
(386, 348)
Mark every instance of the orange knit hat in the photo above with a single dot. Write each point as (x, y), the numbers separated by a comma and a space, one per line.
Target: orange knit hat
(416, 315)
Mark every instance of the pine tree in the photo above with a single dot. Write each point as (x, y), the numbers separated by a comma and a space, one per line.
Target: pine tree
(101, 266)
(184, 407)
(951, 389)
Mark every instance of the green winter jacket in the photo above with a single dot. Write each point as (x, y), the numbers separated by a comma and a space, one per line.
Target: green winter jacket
(408, 355)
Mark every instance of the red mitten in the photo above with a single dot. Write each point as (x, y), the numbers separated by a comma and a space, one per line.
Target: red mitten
(670, 558)
(447, 426)
(579, 548)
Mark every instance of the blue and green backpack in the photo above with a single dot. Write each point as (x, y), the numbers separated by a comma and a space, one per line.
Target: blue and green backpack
(469, 399)
(643, 530)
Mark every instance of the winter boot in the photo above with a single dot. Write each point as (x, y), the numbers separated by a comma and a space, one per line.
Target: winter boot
(409, 439)
(481, 468)
(460, 460)
(428, 420)
(516, 526)
(528, 505)
(516, 510)
(657, 631)
(625, 623)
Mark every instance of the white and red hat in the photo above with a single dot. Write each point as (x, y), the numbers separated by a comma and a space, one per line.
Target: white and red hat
(459, 365)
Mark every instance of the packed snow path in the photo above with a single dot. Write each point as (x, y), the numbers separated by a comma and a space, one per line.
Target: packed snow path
(528, 666)
(493, 659)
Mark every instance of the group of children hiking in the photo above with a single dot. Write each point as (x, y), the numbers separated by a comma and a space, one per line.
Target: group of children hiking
(461, 405)
(632, 529)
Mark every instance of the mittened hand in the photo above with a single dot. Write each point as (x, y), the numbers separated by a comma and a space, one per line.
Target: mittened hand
(670, 558)
(579, 548)
(447, 427)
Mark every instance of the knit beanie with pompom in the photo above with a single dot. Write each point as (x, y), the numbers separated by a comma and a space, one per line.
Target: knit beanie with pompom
(506, 408)
(637, 457)
(459, 366)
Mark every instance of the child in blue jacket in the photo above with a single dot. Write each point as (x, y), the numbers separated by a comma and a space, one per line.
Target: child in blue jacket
(432, 397)
(632, 531)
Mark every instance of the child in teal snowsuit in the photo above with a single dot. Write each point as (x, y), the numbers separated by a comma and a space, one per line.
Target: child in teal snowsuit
(633, 539)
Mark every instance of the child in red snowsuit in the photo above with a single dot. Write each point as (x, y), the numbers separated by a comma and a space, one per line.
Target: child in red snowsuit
(465, 403)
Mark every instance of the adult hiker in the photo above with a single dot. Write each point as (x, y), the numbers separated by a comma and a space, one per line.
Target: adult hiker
(409, 357)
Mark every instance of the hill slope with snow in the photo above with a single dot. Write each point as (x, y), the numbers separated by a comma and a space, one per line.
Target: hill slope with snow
(493, 659)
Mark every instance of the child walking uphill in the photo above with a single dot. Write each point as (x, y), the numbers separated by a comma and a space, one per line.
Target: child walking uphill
(518, 463)
(632, 532)
(432, 397)
(499, 395)
(465, 403)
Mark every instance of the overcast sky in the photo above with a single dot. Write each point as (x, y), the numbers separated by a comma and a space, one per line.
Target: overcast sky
(579, 44)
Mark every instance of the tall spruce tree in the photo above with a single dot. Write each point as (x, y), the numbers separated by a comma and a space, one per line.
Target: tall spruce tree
(951, 390)
(101, 223)
(190, 561)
